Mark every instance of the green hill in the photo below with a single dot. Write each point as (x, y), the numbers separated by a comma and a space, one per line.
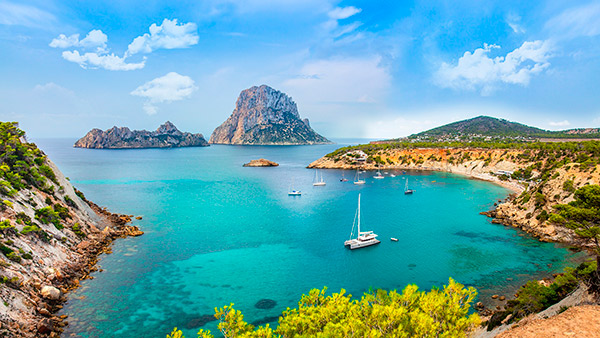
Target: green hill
(486, 126)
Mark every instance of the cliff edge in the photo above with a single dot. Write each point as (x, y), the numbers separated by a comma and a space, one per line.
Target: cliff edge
(51, 237)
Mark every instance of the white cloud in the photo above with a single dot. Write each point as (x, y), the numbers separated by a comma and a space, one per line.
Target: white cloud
(63, 41)
(478, 71)
(560, 123)
(101, 60)
(94, 39)
(340, 13)
(513, 22)
(24, 15)
(332, 26)
(168, 88)
(169, 35)
(343, 80)
(52, 87)
(578, 21)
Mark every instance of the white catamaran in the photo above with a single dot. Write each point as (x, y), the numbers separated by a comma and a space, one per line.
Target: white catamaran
(364, 238)
(317, 182)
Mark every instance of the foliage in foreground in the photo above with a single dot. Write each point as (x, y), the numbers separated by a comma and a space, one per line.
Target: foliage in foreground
(412, 313)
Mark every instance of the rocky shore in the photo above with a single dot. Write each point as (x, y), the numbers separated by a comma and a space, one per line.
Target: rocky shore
(51, 238)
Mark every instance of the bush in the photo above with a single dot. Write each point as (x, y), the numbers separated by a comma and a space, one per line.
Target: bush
(47, 215)
(13, 256)
(70, 202)
(568, 186)
(30, 228)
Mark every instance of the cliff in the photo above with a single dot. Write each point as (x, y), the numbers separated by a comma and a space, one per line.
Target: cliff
(541, 175)
(166, 136)
(51, 237)
(265, 116)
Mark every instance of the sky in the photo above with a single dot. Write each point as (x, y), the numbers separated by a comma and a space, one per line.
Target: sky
(370, 69)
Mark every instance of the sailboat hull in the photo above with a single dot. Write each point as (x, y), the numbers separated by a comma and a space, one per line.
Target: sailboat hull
(356, 244)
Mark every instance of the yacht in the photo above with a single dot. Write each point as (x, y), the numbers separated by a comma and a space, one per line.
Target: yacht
(363, 238)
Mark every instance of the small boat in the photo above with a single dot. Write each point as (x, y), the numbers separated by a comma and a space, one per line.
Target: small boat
(317, 182)
(343, 179)
(406, 190)
(394, 239)
(378, 175)
(392, 175)
(385, 172)
(364, 238)
(294, 192)
(357, 179)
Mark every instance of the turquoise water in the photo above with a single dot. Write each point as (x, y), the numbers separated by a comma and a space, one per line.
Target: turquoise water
(217, 233)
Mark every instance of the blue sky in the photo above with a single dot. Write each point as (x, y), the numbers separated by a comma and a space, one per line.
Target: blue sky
(373, 69)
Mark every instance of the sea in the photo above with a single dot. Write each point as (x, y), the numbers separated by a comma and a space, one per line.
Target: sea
(217, 233)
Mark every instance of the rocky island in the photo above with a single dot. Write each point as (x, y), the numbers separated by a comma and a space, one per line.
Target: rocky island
(265, 116)
(51, 238)
(261, 162)
(166, 136)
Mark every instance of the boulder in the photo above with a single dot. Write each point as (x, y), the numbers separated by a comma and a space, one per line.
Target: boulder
(50, 292)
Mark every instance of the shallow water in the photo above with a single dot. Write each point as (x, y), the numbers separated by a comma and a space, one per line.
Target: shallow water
(217, 233)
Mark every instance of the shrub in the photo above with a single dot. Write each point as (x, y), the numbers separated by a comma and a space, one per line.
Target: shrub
(13, 256)
(7, 203)
(568, 186)
(47, 215)
(70, 202)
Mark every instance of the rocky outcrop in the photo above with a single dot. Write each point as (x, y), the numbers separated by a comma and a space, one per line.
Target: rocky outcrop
(166, 136)
(261, 162)
(265, 116)
(51, 239)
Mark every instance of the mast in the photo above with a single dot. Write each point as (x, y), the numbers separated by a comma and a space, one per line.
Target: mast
(358, 214)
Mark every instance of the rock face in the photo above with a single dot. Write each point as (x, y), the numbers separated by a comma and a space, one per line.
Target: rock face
(166, 136)
(265, 116)
(261, 162)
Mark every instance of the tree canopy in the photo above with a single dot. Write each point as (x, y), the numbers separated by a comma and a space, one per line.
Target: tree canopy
(412, 313)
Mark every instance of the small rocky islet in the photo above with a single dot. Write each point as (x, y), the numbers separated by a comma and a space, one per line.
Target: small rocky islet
(261, 162)
(166, 136)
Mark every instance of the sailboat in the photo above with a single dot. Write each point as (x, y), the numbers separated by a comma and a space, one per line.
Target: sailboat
(406, 190)
(343, 179)
(378, 175)
(357, 179)
(294, 192)
(317, 182)
(363, 238)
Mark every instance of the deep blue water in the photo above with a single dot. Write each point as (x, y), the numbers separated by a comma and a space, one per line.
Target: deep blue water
(217, 233)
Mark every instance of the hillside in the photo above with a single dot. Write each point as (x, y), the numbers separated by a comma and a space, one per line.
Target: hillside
(51, 237)
(265, 116)
(491, 128)
(485, 126)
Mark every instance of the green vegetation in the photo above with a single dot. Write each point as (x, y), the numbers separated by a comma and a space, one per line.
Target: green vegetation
(412, 313)
(77, 230)
(534, 297)
(583, 216)
(21, 163)
(47, 215)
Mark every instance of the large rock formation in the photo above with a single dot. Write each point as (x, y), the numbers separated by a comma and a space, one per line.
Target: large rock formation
(263, 115)
(166, 136)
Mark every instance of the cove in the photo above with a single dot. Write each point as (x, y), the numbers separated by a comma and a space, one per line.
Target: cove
(218, 233)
